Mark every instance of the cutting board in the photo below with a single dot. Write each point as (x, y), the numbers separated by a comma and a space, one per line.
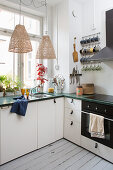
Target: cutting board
(75, 53)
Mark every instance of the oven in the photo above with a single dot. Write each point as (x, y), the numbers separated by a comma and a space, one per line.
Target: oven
(99, 109)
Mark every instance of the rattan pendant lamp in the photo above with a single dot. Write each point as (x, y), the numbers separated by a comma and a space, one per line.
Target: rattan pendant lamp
(45, 49)
(20, 41)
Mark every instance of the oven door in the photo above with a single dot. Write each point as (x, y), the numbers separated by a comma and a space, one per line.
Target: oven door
(108, 128)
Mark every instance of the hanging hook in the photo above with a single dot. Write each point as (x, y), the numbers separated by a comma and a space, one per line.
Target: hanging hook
(73, 13)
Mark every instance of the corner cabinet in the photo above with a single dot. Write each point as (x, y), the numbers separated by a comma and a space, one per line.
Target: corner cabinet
(72, 120)
(18, 134)
(50, 121)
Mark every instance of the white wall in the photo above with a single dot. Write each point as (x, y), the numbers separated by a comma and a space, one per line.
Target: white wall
(103, 80)
(75, 30)
(63, 40)
(87, 19)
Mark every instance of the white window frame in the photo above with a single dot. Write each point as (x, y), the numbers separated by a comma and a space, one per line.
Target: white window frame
(8, 32)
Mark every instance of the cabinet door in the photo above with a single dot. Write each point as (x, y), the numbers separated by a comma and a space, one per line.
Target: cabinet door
(72, 130)
(59, 118)
(46, 122)
(73, 104)
(18, 133)
(74, 114)
(89, 144)
(0, 136)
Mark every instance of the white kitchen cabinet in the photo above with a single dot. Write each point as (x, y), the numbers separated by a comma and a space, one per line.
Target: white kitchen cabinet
(18, 134)
(72, 130)
(88, 144)
(46, 123)
(72, 120)
(50, 121)
(73, 104)
(59, 118)
(73, 114)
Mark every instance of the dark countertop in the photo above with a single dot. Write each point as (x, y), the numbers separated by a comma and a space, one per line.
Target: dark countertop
(6, 101)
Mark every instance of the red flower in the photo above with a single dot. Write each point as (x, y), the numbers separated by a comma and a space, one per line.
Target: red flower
(41, 70)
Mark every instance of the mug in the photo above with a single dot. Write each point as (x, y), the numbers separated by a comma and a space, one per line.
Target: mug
(93, 39)
(82, 41)
(82, 51)
(91, 50)
(96, 49)
(96, 38)
(89, 40)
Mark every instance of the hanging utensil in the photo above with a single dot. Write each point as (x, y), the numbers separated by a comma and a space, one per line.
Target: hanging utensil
(75, 54)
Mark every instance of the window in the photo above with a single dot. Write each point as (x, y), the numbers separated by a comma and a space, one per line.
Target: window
(23, 66)
(30, 66)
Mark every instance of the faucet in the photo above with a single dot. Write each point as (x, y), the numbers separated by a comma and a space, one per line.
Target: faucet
(31, 90)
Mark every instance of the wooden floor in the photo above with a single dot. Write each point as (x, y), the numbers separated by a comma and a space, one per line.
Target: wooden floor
(59, 156)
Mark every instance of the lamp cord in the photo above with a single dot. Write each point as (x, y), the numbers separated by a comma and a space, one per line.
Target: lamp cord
(46, 17)
(20, 12)
(57, 35)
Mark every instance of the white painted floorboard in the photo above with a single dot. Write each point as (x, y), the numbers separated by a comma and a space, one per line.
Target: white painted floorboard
(61, 155)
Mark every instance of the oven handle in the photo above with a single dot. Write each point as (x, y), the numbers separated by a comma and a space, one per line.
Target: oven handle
(104, 117)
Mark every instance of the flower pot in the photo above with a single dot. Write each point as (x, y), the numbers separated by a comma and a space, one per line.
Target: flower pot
(40, 89)
(1, 94)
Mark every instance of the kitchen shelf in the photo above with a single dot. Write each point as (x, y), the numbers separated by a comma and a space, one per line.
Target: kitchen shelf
(75, 75)
(89, 53)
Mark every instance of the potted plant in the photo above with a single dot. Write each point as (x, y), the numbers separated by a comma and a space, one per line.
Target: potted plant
(8, 82)
(41, 71)
(2, 79)
(1, 91)
(17, 86)
(9, 91)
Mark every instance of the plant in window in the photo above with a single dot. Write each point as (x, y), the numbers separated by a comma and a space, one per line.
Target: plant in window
(1, 91)
(41, 71)
(18, 84)
(8, 82)
(2, 79)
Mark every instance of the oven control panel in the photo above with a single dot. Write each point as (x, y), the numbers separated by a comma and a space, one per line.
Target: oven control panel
(97, 108)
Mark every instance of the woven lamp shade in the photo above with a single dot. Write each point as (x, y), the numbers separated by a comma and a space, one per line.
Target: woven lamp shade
(45, 50)
(20, 41)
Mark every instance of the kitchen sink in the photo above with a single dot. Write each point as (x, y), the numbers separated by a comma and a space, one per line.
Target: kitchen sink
(38, 95)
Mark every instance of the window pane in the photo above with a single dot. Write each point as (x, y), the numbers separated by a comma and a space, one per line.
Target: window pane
(32, 25)
(5, 57)
(30, 66)
(9, 68)
(6, 19)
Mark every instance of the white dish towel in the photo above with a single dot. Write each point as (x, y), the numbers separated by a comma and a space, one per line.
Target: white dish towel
(96, 126)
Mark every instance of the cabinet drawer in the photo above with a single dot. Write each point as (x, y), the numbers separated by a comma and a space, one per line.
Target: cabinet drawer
(101, 150)
(73, 114)
(72, 131)
(89, 144)
(73, 104)
(105, 152)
